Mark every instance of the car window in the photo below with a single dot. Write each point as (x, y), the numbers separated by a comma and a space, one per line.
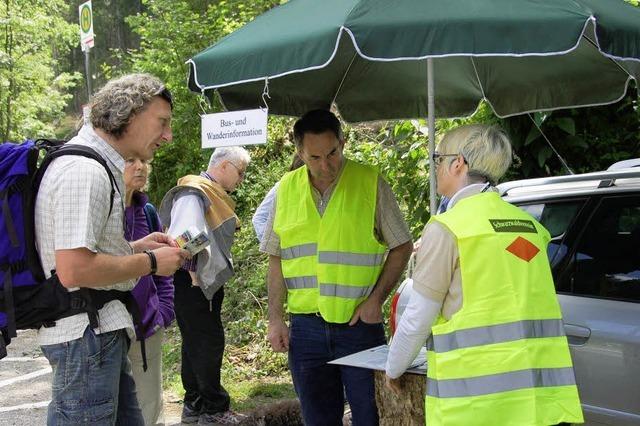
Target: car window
(606, 261)
(556, 218)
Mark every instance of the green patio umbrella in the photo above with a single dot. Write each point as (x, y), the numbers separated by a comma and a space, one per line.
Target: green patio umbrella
(394, 59)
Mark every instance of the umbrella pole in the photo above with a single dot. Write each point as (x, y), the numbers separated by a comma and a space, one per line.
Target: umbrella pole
(431, 123)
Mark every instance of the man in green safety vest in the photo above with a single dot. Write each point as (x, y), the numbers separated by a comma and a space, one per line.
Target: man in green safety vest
(483, 290)
(337, 244)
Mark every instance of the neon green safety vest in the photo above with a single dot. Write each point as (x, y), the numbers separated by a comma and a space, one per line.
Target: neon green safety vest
(503, 359)
(331, 263)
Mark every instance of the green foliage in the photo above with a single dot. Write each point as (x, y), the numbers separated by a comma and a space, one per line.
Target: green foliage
(251, 373)
(248, 394)
(171, 354)
(589, 139)
(33, 94)
(113, 37)
(171, 32)
(400, 152)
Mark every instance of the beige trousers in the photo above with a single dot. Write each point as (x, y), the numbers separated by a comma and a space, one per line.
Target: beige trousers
(149, 383)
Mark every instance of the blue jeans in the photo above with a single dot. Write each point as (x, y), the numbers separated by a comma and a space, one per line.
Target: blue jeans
(92, 382)
(320, 386)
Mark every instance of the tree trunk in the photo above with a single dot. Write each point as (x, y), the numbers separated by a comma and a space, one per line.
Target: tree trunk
(406, 409)
(119, 42)
(6, 133)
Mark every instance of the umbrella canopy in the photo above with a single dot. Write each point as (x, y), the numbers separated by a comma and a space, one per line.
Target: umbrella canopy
(382, 59)
(368, 56)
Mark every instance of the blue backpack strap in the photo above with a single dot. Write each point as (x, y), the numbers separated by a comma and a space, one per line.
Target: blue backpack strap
(153, 222)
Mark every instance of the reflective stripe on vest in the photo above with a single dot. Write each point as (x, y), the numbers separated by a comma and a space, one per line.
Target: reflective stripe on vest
(499, 333)
(332, 290)
(297, 283)
(346, 291)
(299, 251)
(354, 259)
(503, 382)
(332, 257)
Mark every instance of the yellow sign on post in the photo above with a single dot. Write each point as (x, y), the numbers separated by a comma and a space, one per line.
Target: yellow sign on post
(86, 25)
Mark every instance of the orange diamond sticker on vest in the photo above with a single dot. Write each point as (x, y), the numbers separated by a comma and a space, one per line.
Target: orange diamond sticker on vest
(523, 248)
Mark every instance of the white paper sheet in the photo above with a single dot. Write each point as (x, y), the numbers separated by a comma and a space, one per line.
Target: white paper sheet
(376, 358)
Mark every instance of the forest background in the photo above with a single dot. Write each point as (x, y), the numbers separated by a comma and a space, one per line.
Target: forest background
(43, 88)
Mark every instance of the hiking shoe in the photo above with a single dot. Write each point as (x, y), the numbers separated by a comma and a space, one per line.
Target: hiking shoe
(189, 415)
(223, 418)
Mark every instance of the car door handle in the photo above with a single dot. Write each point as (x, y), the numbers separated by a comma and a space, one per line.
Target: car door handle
(577, 335)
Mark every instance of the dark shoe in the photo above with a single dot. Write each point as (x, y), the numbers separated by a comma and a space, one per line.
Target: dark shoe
(220, 419)
(189, 415)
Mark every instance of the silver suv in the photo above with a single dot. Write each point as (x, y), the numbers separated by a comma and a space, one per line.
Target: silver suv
(594, 221)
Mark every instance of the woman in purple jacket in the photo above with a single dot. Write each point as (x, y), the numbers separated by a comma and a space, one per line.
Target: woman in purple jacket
(154, 295)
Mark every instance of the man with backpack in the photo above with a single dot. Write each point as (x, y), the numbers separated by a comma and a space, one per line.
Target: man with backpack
(80, 238)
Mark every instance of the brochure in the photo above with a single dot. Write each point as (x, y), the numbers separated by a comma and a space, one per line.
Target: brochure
(193, 241)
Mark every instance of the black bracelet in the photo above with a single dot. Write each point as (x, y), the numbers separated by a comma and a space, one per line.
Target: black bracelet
(153, 261)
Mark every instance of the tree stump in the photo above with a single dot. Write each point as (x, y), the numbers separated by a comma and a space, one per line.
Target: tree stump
(406, 409)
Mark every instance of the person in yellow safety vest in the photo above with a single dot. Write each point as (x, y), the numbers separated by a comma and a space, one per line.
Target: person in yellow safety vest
(483, 290)
(337, 244)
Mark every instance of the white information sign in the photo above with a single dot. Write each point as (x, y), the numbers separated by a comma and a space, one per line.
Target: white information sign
(248, 127)
(86, 25)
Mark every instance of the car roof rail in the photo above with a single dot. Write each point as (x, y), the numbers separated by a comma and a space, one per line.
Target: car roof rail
(606, 179)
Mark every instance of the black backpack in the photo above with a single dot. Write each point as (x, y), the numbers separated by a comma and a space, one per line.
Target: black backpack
(27, 299)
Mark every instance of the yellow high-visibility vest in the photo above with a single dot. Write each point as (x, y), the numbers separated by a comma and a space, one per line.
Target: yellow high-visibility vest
(503, 359)
(331, 263)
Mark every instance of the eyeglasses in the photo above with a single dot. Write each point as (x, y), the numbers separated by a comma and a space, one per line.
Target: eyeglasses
(240, 171)
(437, 157)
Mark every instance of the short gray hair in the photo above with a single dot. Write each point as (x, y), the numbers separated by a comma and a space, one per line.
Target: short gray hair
(486, 149)
(234, 154)
(113, 106)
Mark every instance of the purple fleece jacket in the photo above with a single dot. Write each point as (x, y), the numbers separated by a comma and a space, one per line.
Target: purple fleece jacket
(154, 294)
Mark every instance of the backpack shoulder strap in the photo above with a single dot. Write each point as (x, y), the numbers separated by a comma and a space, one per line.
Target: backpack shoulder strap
(79, 150)
(152, 217)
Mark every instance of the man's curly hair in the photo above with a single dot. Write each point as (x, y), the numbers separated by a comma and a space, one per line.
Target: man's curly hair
(113, 106)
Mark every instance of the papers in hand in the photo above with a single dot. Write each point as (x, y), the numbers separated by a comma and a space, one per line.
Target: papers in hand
(193, 240)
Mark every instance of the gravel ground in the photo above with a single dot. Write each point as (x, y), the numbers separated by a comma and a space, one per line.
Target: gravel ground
(25, 385)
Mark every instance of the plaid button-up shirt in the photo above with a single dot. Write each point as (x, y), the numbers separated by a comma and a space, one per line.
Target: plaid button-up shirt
(72, 211)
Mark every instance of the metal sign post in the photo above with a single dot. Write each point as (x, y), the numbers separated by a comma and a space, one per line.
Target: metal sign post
(86, 38)
(86, 70)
